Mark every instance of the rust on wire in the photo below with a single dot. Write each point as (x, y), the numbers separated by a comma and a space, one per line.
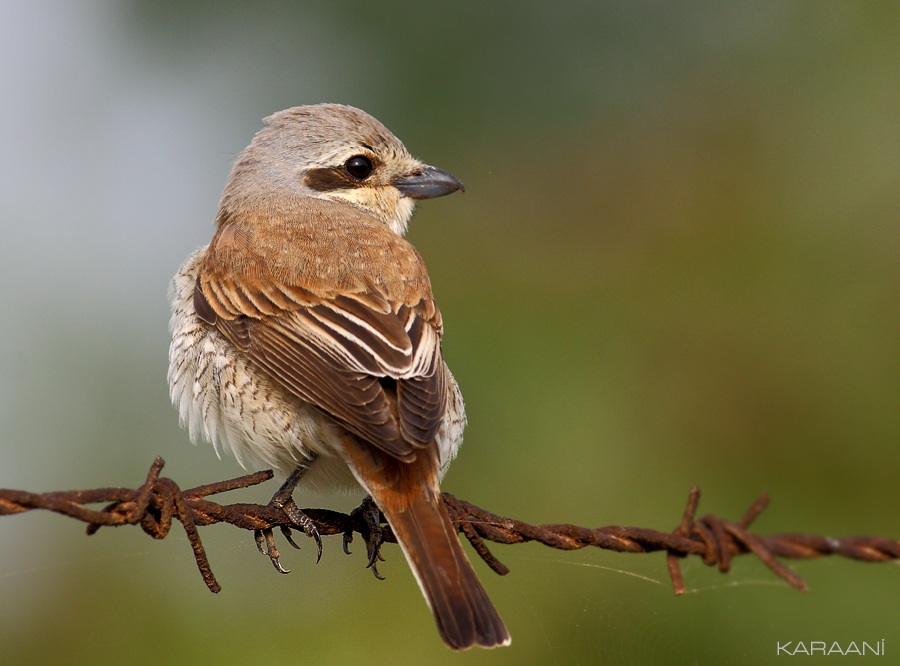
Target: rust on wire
(156, 503)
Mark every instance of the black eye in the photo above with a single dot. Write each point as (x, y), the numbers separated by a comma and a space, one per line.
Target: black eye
(360, 167)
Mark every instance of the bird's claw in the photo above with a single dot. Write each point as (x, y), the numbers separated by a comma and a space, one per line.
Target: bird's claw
(305, 523)
(265, 543)
(265, 538)
(373, 535)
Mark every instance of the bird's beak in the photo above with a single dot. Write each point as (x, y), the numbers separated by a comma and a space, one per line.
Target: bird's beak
(428, 183)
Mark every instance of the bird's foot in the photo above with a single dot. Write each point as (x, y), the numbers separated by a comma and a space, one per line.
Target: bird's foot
(373, 535)
(265, 538)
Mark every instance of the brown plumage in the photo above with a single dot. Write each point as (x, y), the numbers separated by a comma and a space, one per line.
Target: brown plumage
(306, 335)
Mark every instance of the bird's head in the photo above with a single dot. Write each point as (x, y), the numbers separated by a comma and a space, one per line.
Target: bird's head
(334, 152)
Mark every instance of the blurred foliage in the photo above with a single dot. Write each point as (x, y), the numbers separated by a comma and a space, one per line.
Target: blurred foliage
(675, 263)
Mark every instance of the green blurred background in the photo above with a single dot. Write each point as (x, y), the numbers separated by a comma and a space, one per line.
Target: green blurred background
(676, 263)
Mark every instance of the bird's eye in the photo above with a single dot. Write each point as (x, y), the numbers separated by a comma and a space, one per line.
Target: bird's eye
(359, 166)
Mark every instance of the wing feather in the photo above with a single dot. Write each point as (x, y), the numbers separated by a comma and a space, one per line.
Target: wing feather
(358, 336)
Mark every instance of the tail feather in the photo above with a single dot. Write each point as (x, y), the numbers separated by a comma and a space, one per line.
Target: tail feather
(409, 497)
(462, 610)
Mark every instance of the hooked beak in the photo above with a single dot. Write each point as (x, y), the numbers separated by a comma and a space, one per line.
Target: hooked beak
(429, 183)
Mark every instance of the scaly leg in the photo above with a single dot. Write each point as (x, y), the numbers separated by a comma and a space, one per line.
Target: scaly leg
(284, 499)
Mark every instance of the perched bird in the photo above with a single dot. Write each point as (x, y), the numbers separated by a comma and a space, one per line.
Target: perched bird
(305, 338)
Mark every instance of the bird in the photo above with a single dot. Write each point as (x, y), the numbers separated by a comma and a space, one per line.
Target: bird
(306, 339)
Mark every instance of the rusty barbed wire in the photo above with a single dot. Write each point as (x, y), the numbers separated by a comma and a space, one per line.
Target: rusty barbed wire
(156, 503)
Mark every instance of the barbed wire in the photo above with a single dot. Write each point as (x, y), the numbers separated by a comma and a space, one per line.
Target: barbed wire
(156, 503)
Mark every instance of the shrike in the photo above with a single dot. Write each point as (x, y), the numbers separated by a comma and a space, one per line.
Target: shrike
(305, 338)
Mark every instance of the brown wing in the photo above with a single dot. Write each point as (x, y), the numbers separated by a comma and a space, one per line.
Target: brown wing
(371, 360)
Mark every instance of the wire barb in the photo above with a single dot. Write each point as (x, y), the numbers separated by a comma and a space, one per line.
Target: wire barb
(156, 503)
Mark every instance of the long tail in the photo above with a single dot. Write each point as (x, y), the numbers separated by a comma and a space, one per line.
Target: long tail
(409, 497)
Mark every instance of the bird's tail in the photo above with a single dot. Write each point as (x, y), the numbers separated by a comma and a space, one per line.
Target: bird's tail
(409, 497)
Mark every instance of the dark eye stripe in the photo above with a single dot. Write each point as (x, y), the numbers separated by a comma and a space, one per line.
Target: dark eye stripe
(351, 174)
(324, 180)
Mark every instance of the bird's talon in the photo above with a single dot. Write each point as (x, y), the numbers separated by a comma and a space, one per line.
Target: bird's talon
(372, 533)
(300, 520)
(347, 540)
(374, 554)
(260, 541)
(374, 567)
(286, 533)
(277, 564)
(265, 542)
